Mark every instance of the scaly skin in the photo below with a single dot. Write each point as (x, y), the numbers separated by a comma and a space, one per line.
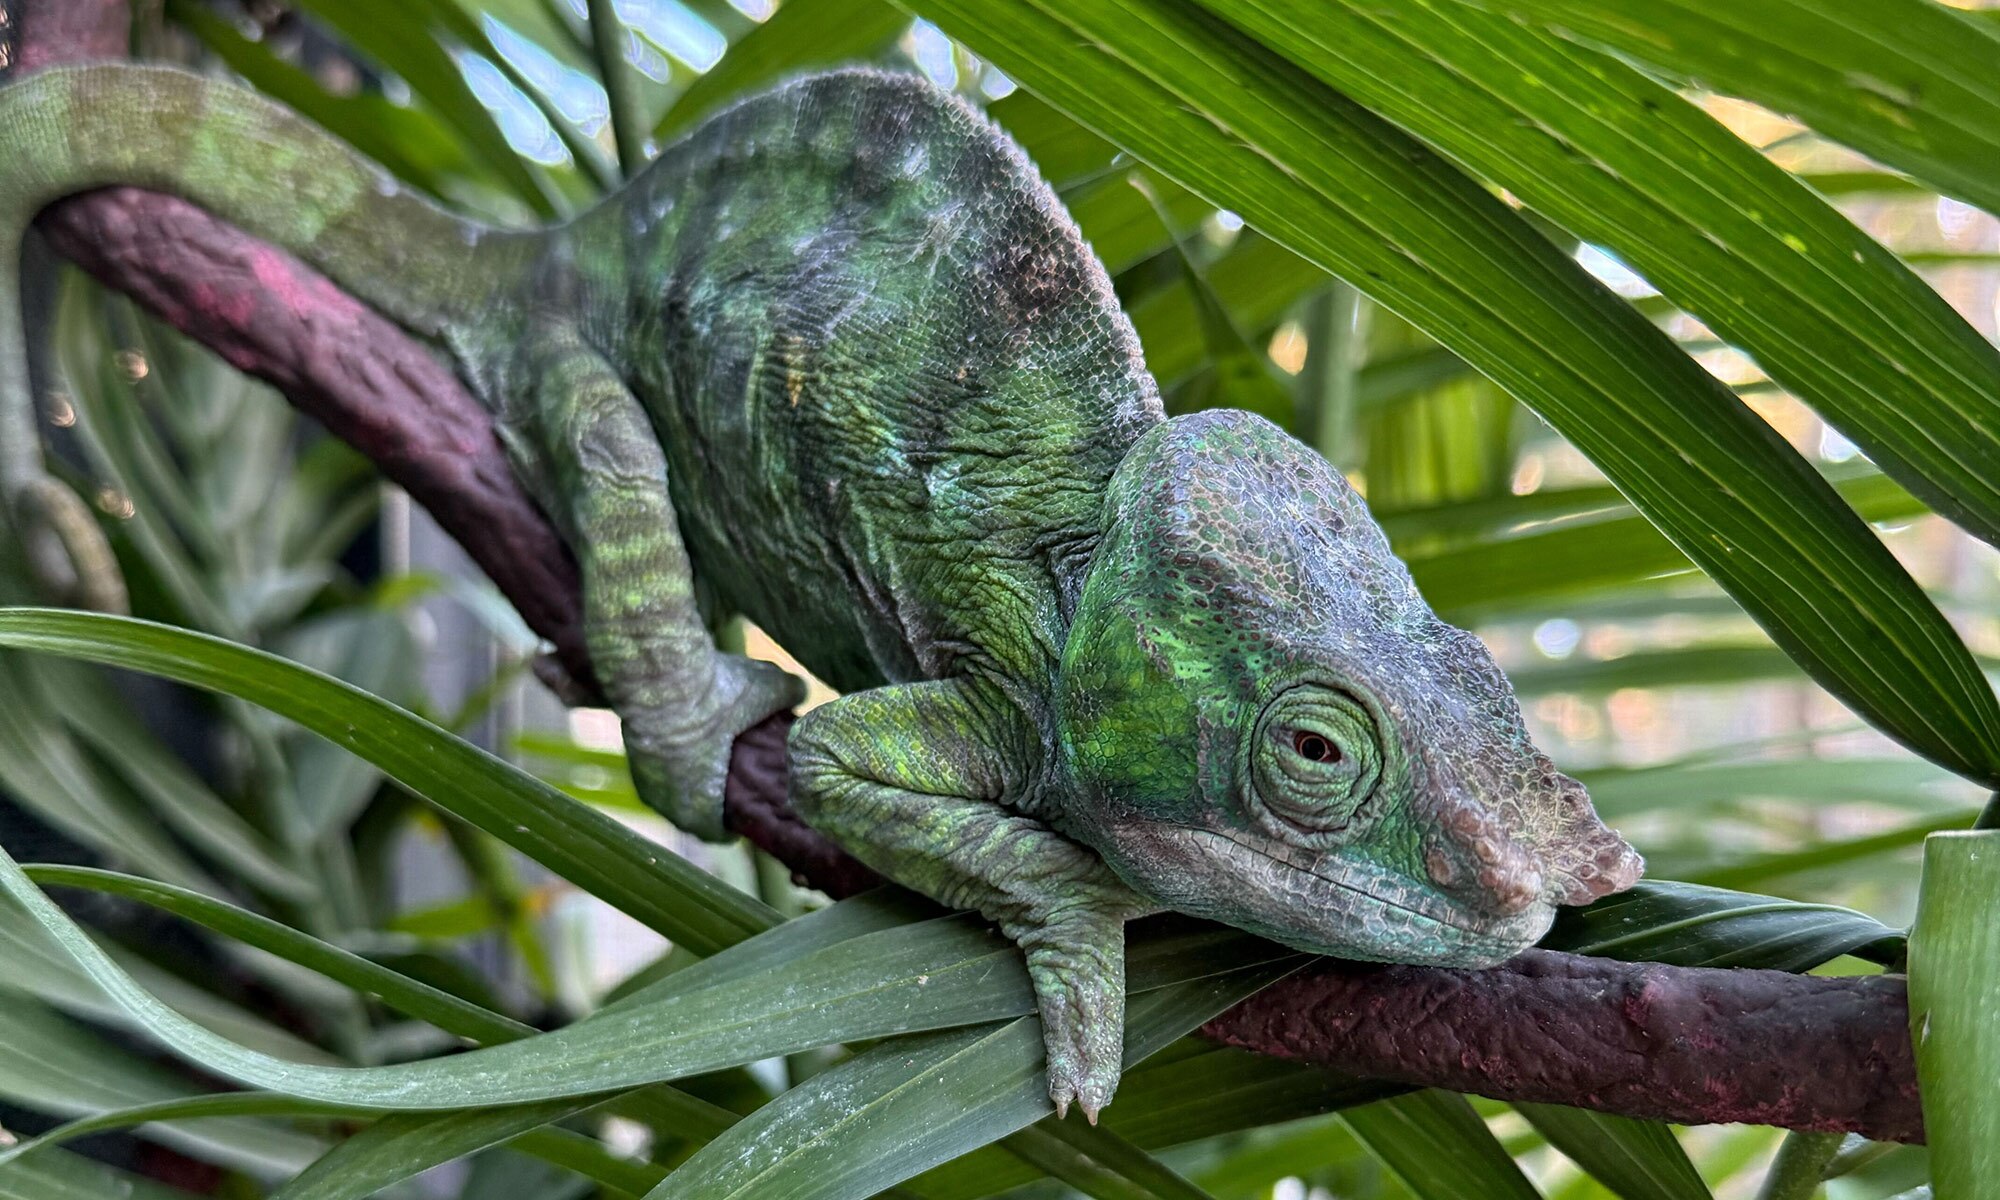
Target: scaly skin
(840, 362)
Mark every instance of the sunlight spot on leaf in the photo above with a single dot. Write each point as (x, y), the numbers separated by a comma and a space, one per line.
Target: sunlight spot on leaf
(1288, 348)
(675, 29)
(521, 123)
(931, 50)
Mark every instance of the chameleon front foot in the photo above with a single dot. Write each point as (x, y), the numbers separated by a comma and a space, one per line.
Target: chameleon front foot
(66, 549)
(1077, 965)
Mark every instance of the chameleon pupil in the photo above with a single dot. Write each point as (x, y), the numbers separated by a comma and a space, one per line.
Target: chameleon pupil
(1315, 747)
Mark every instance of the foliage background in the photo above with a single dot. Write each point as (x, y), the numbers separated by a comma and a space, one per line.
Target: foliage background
(1729, 760)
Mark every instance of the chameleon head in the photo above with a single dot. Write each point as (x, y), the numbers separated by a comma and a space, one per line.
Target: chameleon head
(1263, 723)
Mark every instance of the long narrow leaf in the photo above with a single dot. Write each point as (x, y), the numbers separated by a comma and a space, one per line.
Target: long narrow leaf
(1621, 160)
(1954, 977)
(806, 33)
(910, 1104)
(1435, 1143)
(1909, 82)
(1639, 1160)
(585, 847)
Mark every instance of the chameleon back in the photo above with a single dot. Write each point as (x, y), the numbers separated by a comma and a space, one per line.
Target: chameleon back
(890, 377)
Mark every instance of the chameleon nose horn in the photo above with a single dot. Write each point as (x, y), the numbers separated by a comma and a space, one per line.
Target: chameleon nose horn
(67, 552)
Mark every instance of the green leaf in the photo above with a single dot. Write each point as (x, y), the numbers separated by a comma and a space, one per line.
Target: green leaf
(583, 1155)
(403, 1144)
(406, 141)
(932, 974)
(397, 990)
(38, 966)
(1192, 1090)
(1568, 558)
(1040, 1149)
(1954, 977)
(1685, 666)
(1434, 1142)
(802, 34)
(1148, 1175)
(1907, 82)
(1830, 781)
(1621, 160)
(1639, 1160)
(907, 1105)
(1759, 869)
(459, 24)
(403, 39)
(48, 773)
(199, 1108)
(1801, 1166)
(1236, 373)
(1232, 121)
(60, 1175)
(1123, 226)
(51, 1063)
(585, 847)
(174, 794)
(1861, 183)
(1257, 281)
(1691, 926)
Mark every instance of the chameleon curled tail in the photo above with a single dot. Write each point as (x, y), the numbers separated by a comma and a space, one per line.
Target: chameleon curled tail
(73, 129)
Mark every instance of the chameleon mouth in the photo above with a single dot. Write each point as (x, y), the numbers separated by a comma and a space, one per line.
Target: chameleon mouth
(1397, 923)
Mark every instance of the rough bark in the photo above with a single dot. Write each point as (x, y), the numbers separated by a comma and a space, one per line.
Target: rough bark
(1637, 1038)
(1680, 1044)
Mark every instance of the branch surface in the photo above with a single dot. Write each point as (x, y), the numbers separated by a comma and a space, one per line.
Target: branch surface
(1643, 1039)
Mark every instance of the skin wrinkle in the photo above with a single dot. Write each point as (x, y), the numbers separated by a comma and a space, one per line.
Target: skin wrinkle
(1439, 918)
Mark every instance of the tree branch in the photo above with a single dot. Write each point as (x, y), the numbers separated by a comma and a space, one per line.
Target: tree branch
(1643, 1039)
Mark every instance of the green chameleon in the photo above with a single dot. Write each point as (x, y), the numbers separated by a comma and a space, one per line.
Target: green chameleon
(839, 362)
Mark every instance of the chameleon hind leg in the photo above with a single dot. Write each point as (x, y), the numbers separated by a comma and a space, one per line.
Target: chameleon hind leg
(682, 702)
(910, 779)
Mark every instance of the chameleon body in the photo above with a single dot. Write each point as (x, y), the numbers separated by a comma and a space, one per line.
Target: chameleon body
(839, 362)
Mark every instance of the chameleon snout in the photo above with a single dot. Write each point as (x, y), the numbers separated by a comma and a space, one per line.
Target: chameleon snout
(1474, 858)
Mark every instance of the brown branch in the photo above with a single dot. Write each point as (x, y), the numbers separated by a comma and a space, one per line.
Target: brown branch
(1644, 1039)
(1682, 1044)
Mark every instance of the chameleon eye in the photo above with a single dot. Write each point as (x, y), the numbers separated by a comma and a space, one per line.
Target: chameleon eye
(1314, 761)
(1314, 748)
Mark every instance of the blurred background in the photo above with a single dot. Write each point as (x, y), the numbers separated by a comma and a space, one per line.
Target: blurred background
(1701, 741)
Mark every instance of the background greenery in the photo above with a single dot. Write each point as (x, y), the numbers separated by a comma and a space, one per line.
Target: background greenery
(1685, 405)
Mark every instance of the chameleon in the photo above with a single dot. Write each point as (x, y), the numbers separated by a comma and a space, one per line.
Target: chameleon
(839, 362)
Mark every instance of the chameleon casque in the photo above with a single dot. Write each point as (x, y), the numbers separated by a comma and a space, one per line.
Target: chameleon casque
(839, 361)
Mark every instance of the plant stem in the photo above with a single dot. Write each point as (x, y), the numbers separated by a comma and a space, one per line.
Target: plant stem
(1800, 1166)
(1335, 330)
(1954, 977)
(621, 88)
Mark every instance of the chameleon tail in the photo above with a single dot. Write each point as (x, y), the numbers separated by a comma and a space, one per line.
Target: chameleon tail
(249, 162)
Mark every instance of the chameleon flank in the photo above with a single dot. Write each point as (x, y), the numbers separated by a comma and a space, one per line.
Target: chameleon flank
(839, 362)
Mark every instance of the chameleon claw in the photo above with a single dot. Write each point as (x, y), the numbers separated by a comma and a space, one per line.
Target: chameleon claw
(1090, 1112)
(67, 551)
(1062, 1108)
